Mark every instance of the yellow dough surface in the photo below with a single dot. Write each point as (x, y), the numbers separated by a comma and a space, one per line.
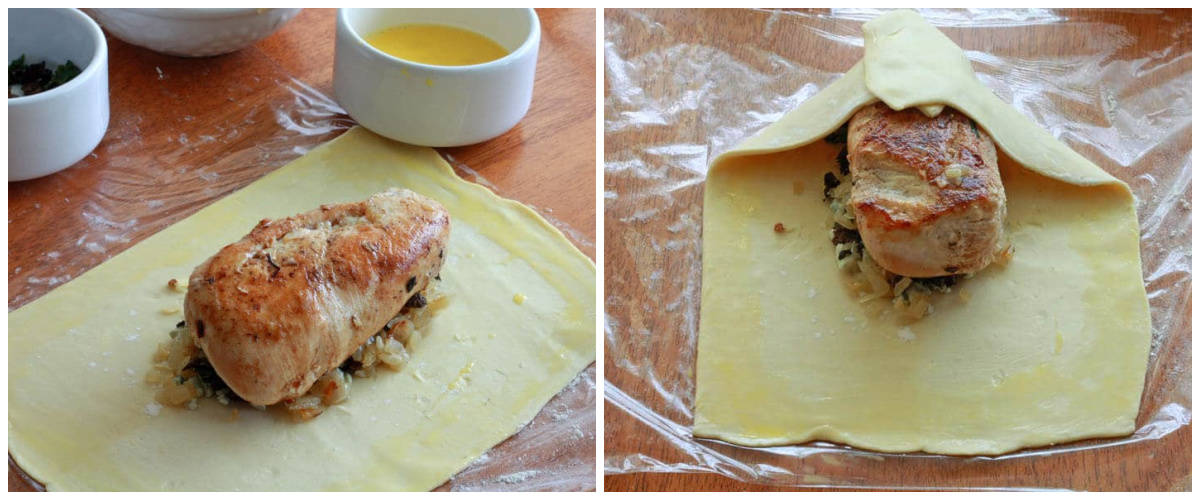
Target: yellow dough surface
(1050, 348)
(80, 417)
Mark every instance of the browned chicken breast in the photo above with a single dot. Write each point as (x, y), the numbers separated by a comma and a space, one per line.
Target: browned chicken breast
(297, 296)
(927, 197)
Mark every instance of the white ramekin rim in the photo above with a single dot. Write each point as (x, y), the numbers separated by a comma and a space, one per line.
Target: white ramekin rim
(99, 56)
(185, 14)
(532, 38)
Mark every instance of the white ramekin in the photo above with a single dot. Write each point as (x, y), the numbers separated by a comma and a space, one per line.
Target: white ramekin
(432, 105)
(53, 130)
(193, 32)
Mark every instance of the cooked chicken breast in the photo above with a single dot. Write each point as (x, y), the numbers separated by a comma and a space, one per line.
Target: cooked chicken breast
(927, 196)
(297, 296)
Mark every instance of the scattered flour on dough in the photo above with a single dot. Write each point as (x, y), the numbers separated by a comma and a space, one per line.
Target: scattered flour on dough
(906, 334)
(152, 409)
(812, 292)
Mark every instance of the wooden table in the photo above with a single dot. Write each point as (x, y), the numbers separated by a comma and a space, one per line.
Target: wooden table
(656, 157)
(186, 132)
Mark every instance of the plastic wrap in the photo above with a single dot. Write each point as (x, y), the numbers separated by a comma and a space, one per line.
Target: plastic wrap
(684, 86)
(156, 167)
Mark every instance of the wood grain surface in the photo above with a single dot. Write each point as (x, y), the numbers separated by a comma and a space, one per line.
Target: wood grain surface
(186, 132)
(648, 359)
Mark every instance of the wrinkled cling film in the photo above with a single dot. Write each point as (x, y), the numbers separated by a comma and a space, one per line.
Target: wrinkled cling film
(675, 98)
(554, 451)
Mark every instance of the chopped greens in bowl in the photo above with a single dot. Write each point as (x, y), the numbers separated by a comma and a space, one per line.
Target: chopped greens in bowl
(29, 79)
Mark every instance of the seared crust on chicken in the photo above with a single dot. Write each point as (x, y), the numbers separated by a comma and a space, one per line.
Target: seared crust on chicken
(927, 197)
(297, 296)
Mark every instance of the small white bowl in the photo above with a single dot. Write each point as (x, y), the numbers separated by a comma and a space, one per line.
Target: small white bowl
(53, 130)
(193, 32)
(431, 105)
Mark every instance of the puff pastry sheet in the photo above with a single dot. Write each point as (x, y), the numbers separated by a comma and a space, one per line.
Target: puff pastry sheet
(1048, 349)
(80, 416)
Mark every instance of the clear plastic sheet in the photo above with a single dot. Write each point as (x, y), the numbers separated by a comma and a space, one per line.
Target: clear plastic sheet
(148, 174)
(683, 86)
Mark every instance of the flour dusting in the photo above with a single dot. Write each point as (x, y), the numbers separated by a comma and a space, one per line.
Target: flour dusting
(518, 477)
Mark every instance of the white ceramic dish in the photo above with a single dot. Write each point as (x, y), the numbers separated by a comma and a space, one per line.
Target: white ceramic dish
(193, 32)
(53, 130)
(432, 105)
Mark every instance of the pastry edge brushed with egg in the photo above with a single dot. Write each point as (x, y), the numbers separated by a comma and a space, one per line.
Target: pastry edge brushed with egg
(927, 196)
(294, 298)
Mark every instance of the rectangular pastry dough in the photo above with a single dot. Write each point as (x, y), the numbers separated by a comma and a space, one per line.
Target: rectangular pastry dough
(80, 417)
(1048, 349)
